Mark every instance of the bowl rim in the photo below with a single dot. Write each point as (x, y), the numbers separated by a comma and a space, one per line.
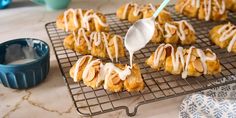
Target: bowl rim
(25, 64)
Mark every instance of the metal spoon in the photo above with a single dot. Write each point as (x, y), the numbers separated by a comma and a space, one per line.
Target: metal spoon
(141, 32)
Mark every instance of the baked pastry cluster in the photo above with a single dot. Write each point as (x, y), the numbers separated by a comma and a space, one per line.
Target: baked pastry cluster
(175, 32)
(113, 77)
(224, 36)
(133, 12)
(203, 9)
(99, 44)
(187, 62)
(73, 19)
(231, 5)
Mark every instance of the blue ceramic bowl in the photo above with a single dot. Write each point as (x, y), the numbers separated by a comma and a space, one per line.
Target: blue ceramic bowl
(22, 76)
(4, 3)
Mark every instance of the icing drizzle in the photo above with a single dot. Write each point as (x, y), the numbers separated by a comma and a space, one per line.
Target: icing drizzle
(97, 38)
(207, 4)
(179, 26)
(83, 17)
(177, 57)
(138, 8)
(227, 31)
(105, 70)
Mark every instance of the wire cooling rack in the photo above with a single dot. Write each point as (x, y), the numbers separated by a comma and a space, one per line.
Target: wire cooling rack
(159, 85)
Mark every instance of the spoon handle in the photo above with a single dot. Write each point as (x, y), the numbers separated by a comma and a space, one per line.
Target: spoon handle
(163, 4)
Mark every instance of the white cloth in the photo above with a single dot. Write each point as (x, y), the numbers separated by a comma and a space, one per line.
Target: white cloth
(219, 102)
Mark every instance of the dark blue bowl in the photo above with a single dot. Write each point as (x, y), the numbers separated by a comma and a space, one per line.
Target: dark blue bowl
(22, 76)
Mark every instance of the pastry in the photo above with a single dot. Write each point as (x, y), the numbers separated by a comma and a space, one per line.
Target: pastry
(203, 9)
(187, 62)
(118, 77)
(73, 19)
(99, 44)
(133, 12)
(231, 5)
(114, 77)
(134, 81)
(174, 32)
(224, 36)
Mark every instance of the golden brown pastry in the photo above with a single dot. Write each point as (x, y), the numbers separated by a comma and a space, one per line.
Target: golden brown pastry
(99, 44)
(175, 32)
(73, 19)
(134, 81)
(224, 36)
(114, 77)
(133, 12)
(187, 62)
(231, 5)
(118, 77)
(203, 9)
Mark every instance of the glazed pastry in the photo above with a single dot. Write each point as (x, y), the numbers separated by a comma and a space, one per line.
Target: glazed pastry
(134, 81)
(224, 36)
(176, 32)
(117, 77)
(113, 77)
(187, 62)
(133, 12)
(231, 5)
(73, 19)
(87, 69)
(99, 44)
(203, 9)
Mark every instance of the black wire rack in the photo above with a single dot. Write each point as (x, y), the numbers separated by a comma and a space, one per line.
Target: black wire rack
(159, 85)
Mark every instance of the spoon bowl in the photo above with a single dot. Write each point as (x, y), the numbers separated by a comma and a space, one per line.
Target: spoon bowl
(139, 34)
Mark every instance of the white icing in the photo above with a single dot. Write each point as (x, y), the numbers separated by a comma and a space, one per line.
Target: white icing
(159, 27)
(106, 46)
(178, 58)
(80, 32)
(158, 54)
(77, 65)
(203, 60)
(185, 4)
(152, 7)
(108, 68)
(96, 38)
(88, 66)
(207, 9)
(231, 44)
(207, 6)
(169, 26)
(137, 9)
(74, 12)
(180, 26)
(104, 72)
(227, 31)
(85, 18)
(114, 39)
